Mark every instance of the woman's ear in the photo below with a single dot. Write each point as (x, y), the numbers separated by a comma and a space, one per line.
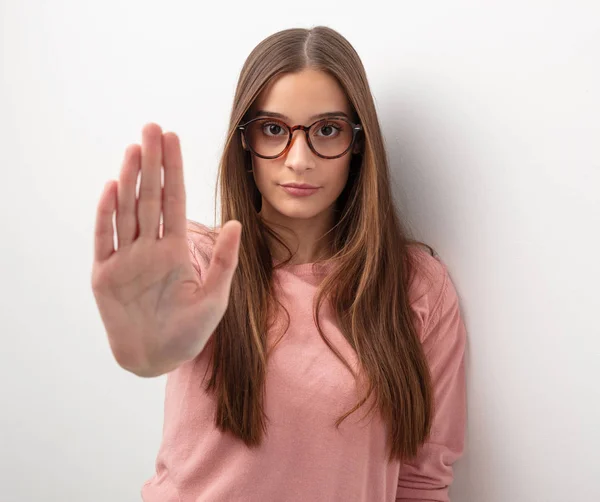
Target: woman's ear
(244, 145)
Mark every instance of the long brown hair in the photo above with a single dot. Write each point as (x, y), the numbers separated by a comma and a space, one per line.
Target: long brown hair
(368, 288)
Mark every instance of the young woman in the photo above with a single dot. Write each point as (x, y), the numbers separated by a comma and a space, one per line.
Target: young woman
(318, 354)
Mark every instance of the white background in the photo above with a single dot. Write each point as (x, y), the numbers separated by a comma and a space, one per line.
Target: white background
(491, 114)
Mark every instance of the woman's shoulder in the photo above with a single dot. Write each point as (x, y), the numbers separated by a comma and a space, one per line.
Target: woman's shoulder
(430, 286)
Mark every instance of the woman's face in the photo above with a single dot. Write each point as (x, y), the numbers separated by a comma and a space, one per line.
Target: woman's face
(299, 98)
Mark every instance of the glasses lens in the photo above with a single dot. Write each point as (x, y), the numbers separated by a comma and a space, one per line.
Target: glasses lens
(331, 137)
(267, 137)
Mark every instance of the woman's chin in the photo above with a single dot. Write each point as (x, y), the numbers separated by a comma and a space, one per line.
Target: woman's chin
(296, 211)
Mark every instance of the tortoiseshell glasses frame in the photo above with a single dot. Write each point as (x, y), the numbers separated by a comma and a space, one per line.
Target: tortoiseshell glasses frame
(356, 128)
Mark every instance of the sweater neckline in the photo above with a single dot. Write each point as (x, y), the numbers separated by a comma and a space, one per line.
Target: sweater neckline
(311, 268)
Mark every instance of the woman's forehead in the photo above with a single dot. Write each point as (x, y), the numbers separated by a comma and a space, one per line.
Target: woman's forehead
(303, 94)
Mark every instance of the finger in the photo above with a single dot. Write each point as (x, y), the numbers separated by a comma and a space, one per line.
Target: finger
(224, 260)
(149, 203)
(104, 245)
(175, 222)
(127, 222)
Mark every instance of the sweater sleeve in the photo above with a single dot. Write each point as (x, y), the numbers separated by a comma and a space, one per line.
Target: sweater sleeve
(428, 476)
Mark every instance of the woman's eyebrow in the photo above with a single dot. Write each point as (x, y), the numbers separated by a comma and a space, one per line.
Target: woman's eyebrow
(313, 117)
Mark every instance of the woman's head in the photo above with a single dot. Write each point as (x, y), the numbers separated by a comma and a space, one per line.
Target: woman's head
(301, 73)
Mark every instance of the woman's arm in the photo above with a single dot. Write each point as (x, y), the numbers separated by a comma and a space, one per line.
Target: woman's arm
(428, 476)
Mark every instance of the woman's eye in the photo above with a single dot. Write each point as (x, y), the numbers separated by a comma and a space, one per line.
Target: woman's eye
(328, 130)
(272, 129)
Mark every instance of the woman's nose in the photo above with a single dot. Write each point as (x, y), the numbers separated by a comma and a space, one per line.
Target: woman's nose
(300, 155)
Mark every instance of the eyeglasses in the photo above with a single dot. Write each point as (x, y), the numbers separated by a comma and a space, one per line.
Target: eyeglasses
(328, 138)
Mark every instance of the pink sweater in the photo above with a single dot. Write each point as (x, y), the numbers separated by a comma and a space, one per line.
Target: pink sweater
(303, 456)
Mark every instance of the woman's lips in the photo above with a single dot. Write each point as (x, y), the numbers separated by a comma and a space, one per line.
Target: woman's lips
(299, 192)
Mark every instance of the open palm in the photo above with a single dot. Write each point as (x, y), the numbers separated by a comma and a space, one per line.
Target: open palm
(154, 309)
